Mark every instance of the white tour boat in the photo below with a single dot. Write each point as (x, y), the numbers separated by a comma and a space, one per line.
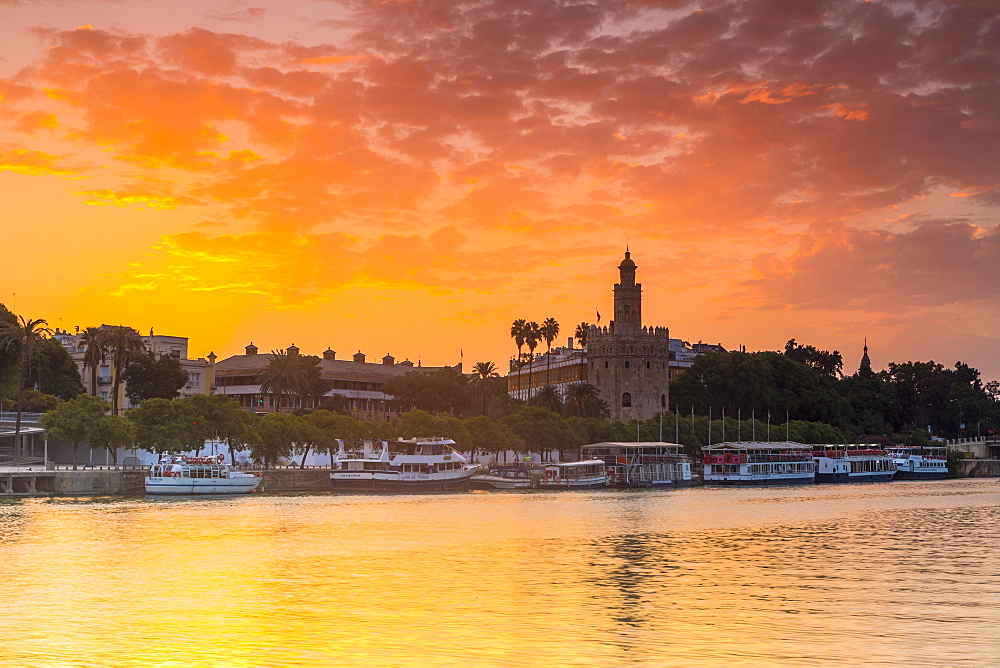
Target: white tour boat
(417, 464)
(928, 462)
(178, 474)
(758, 463)
(650, 464)
(853, 463)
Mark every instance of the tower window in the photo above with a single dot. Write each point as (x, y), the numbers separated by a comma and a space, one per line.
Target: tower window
(647, 365)
(605, 364)
(627, 400)
(663, 401)
(626, 364)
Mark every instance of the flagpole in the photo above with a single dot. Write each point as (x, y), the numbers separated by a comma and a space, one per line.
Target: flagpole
(710, 425)
(677, 424)
(753, 424)
(739, 423)
(723, 424)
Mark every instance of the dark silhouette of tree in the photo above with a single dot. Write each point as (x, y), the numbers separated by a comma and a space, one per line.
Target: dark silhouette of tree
(549, 331)
(532, 337)
(151, 377)
(124, 344)
(484, 375)
(582, 332)
(95, 353)
(517, 331)
(20, 335)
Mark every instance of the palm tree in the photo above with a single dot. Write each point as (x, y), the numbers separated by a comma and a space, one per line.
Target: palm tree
(582, 400)
(548, 397)
(484, 372)
(550, 330)
(285, 374)
(124, 344)
(22, 332)
(517, 330)
(581, 333)
(532, 336)
(95, 354)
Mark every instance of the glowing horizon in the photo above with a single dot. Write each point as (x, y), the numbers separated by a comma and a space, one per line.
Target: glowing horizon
(409, 177)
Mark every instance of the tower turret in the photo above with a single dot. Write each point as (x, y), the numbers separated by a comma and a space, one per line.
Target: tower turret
(628, 298)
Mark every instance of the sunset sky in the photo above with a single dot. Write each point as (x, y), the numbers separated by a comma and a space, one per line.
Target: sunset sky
(408, 177)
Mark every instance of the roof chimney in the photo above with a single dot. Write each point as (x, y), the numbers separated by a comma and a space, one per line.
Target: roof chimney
(406, 363)
(329, 354)
(569, 343)
(251, 349)
(359, 357)
(388, 360)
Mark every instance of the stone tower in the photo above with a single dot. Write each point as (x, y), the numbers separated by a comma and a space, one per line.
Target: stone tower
(627, 362)
(865, 369)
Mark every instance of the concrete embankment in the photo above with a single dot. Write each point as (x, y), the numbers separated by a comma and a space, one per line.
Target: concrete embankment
(978, 468)
(109, 481)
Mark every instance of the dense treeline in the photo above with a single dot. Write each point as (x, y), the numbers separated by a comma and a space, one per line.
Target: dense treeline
(903, 402)
(184, 425)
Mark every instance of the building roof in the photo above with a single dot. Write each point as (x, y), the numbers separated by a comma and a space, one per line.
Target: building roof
(242, 364)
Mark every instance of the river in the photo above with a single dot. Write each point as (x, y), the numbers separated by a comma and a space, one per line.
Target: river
(898, 573)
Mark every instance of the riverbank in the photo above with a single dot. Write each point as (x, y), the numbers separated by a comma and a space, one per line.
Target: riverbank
(104, 481)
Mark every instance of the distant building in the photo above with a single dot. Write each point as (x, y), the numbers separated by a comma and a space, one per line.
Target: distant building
(358, 383)
(630, 365)
(198, 382)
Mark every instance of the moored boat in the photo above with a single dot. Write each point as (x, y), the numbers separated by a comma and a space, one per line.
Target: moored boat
(517, 475)
(852, 463)
(416, 464)
(927, 462)
(650, 464)
(178, 474)
(585, 474)
(758, 463)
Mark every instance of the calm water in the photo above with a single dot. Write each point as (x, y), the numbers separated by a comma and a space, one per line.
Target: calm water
(896, 573)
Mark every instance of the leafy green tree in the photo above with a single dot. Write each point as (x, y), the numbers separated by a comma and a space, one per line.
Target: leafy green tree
(823, 361)
(152, 377)
(541, 430)
(278, 435)
(53, 370)
(164, 426)
(322, 430)
(112, 432)
(38, 402)
(443, 390)
(74, 421)
(422, 424)
(489, 436)
(21, 335)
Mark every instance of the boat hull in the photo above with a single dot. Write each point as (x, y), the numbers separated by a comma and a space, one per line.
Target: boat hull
(760, 481)
(358, 483)
(921, 475)
(480, 483)
(874, 476)
(188, 486)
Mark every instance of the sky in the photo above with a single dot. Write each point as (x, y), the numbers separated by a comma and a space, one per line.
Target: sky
(409, 176)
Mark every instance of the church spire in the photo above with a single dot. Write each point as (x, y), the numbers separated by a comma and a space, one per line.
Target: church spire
(865, 369)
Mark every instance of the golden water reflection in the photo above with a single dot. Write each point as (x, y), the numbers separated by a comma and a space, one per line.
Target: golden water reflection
(891, 573)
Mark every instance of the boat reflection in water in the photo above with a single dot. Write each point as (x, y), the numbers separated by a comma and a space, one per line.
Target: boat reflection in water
(649, 464)
(414, 465)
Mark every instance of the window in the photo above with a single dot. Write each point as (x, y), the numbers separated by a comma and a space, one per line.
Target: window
(648, 365)
(663, 401)
(626, 364)
(605, 364)
(627, 400)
